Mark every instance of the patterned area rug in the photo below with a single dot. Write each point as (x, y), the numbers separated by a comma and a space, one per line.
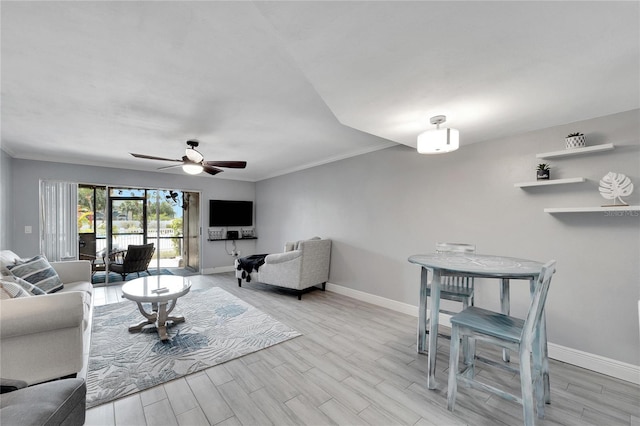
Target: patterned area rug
(218, 328)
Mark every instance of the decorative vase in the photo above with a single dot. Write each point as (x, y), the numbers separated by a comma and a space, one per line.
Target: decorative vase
(575, 142)
(543, 174)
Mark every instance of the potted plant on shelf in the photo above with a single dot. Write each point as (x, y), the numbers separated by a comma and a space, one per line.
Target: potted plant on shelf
(575, 140)
(543, 172)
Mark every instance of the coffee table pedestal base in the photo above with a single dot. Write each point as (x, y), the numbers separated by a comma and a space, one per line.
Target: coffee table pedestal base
(158, 319)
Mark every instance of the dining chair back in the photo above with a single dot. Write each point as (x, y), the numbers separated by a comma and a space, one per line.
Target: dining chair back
(518, 335)
(455, 287)
(455, 248)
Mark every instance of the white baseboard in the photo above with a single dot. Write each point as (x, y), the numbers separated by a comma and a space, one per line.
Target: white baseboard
(218, 270)
(610, 367)
(405, 308)
(597, 363)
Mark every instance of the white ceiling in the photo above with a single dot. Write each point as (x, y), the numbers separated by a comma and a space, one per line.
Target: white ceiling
(289, 85)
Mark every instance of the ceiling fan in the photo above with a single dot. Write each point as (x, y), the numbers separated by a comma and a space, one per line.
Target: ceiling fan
(193, 161)
(174, 198)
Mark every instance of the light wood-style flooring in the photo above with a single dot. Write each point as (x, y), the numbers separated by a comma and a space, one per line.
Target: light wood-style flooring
(355, 364)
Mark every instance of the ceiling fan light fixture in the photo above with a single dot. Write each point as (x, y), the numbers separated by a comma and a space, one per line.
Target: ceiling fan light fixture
(192, 169)
(438, 141)
(193, 162)
(192, 153)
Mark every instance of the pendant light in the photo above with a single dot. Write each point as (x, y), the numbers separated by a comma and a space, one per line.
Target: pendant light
(438, 141)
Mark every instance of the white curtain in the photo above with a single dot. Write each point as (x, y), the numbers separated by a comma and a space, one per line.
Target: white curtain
(59, 220)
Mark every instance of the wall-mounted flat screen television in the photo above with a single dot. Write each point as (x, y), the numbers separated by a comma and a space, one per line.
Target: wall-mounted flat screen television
(230, 213)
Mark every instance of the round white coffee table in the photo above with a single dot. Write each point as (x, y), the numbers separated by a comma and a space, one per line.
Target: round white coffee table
(162, 291)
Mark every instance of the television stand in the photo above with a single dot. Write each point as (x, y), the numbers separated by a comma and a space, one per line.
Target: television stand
(232, 239)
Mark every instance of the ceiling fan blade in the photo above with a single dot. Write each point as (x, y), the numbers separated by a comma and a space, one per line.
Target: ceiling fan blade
(228, 164)
(211, 170)
(151, 157)
(169, 167)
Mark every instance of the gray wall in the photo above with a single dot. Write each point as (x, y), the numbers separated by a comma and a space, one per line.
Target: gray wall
(6, 212)
(25, 188)
(379, 208)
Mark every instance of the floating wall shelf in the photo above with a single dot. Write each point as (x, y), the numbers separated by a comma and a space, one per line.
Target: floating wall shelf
(549, 182)
(592, 209)
(577, 151)
(615, 210)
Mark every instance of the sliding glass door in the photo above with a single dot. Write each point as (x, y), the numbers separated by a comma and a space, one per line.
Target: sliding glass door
(165, 226)
(127, 218)
(112, 218)
(191, 207)
(92, 223)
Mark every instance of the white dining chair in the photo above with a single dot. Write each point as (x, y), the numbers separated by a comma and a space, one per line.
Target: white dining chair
(518, 335)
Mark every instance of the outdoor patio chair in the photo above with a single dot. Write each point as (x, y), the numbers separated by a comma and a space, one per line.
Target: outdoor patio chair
(135, 259)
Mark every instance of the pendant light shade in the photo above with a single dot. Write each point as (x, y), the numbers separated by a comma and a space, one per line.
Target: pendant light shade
(438, 141)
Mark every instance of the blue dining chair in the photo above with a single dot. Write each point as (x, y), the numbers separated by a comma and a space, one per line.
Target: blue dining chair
(508, 332)
(456, 288)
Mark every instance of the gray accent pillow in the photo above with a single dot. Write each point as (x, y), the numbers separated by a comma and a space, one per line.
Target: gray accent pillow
(38, 272)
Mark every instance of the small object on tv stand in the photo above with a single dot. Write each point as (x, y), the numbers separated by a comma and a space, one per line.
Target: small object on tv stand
(216, 234)
(232, 235)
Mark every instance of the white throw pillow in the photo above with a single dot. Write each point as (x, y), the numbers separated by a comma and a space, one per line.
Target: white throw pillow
(12, 290)
(32, 289)
(7, 257)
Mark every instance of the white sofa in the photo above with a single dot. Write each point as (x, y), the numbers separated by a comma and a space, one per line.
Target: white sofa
(302, 265)
(47, 337)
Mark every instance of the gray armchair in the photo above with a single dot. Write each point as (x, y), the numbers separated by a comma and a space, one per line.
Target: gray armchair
(302, 265)
(61, 402)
